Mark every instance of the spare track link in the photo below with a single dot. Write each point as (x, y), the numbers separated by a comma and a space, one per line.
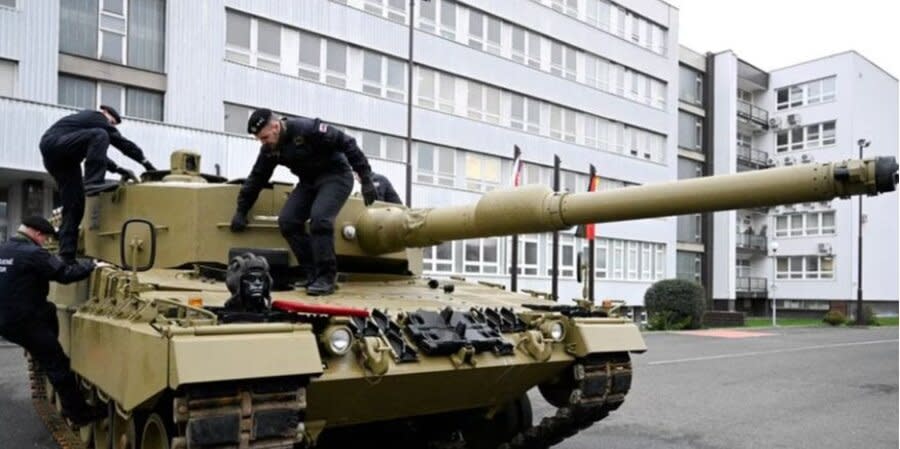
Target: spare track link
(602, 383)
(62, 433)
(241, 416)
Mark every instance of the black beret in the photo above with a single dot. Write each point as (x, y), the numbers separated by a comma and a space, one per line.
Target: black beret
(258, 120)
(113, 112)
(39, 223)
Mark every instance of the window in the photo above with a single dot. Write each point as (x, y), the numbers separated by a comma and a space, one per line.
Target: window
(482, 256)
(518, 45)
(689, 266)
(534, 50)
(690, 131)
(482, 172)
(528, 255)
(601, 259)
(88, 94)
(236, 118)
(438, 259)
(113, 29)
(806, 137)
(690, 85)
(804, 267)
(448, 19)
(435, 165)
(566, 256)
(805, 224)
(268, 43)
(811, 92)
(394, 10)
(310, 62)
(336, 64)
(425, 90)
(383, 76)
(428, 16)
(8, 4)
(8, 71)
(476, 29)
(80, 93)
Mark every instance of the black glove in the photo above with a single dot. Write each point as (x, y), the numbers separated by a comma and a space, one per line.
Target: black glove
(239, 222)
(127, 175)
(368, 190)
(147, 165)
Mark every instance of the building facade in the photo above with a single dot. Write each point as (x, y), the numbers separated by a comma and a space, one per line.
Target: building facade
(593, 82)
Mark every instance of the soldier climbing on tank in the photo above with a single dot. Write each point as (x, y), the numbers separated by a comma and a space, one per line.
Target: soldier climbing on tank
(384, 190)
(250, 284)
(84, 136)
(29, 320)
(321, 156)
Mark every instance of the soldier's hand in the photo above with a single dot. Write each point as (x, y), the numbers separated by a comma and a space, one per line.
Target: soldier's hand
(127, 175)
(368, 190)
(147, 165)
(238, 222)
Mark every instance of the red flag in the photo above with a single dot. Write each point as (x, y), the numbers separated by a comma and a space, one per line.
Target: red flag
(592, 187)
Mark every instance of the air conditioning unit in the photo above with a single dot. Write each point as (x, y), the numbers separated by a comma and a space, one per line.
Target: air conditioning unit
(789, 160)
(775, 122)
(806, 158)
(794, 120)
(824, 248)
(771, 162)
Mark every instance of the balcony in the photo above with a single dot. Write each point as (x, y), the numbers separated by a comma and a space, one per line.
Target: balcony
(751, 287)
(753, 114)
(752, 158)
(751, 242)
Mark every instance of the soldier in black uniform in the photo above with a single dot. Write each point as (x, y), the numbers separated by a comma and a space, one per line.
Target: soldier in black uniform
(29, 320)
(83, 136)
(321, 156)
(384, 190)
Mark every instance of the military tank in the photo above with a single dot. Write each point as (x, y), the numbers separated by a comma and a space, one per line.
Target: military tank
(393, 358)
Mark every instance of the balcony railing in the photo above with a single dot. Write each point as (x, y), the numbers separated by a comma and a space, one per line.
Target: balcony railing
(751, 285)
(753, 113)
(751, 241)
(752, 157)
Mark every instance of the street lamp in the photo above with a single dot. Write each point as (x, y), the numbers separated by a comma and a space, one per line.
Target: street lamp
(774, 247)
(860, 320)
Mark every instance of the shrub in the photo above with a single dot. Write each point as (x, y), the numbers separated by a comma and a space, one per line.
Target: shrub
(869, 316)
(675, 304)
(835, 318)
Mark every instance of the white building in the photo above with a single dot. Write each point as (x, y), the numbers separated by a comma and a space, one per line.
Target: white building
(592, 81)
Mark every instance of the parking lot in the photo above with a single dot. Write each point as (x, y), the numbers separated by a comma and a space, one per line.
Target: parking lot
(778, 388)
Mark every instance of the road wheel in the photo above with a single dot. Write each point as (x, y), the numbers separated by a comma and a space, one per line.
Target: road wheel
(155, 434)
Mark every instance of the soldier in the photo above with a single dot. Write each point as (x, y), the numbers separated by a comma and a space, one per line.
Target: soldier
(321, 157)
(250, 284)
(83, 136)
(29, 320)
(384, 190)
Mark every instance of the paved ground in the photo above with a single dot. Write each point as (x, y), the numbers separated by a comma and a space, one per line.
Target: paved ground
(790, 388)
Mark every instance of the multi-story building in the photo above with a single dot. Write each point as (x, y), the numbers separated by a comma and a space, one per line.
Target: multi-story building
(805, 256)
(590, 81)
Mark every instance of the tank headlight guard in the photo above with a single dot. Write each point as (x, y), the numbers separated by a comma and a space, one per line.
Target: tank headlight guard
(338, 340)
(554, 330)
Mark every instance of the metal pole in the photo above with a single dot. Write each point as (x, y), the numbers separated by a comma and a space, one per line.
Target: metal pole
(554, 279)
(591, 244)
(774, 271)
(860, 319)
(409, 104)
(514, 270)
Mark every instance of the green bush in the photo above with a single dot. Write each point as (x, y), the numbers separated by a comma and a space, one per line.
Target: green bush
(675, 304)
(835, 318)
(871, 319)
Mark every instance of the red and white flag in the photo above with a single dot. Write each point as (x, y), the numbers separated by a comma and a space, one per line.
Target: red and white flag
(517, 165)
(592, 187)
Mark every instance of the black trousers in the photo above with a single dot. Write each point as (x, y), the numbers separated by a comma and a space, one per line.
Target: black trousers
(319, 202)
(38, 334)
(62, 159)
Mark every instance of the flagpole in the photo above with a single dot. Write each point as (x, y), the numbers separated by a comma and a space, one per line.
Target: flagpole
(554, 279)
(514, 266)
(592, 186)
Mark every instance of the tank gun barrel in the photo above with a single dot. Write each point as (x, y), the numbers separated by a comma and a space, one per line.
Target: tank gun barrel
(535, 208)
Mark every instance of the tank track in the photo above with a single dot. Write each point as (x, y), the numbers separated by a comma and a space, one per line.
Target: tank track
(601, 385)
(62, 433)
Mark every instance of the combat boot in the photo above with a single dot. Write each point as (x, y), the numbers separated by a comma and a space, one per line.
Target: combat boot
(324, 285)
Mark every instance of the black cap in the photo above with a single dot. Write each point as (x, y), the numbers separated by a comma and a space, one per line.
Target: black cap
(258, 120)
(113, 112)
(39, 223)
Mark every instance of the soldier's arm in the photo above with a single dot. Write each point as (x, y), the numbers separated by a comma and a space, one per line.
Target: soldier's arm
(52, 268)
(390, 195)
(124, 145)
(262, 170)
(335, 140)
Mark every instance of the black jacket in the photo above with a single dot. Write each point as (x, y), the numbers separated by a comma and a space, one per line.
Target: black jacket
(384, 190)
(89, 119)
(309, 148)
(26, 270)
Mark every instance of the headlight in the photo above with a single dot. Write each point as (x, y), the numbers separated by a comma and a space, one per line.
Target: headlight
(338, 340)
(554, 330)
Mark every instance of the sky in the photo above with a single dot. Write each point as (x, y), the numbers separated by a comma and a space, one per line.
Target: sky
(771, 34)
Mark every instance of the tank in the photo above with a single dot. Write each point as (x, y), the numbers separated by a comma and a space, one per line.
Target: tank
(392, 358)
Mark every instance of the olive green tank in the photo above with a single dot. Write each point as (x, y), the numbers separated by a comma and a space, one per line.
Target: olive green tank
(392, 359)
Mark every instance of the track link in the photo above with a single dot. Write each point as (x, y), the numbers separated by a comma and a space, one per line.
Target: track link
(64, 435)
(601, 385)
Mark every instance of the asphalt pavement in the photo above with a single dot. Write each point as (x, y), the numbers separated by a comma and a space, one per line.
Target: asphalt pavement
(793, 388)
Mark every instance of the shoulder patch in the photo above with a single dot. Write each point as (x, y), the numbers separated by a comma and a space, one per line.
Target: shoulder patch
(299, 140)
(323, 128)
